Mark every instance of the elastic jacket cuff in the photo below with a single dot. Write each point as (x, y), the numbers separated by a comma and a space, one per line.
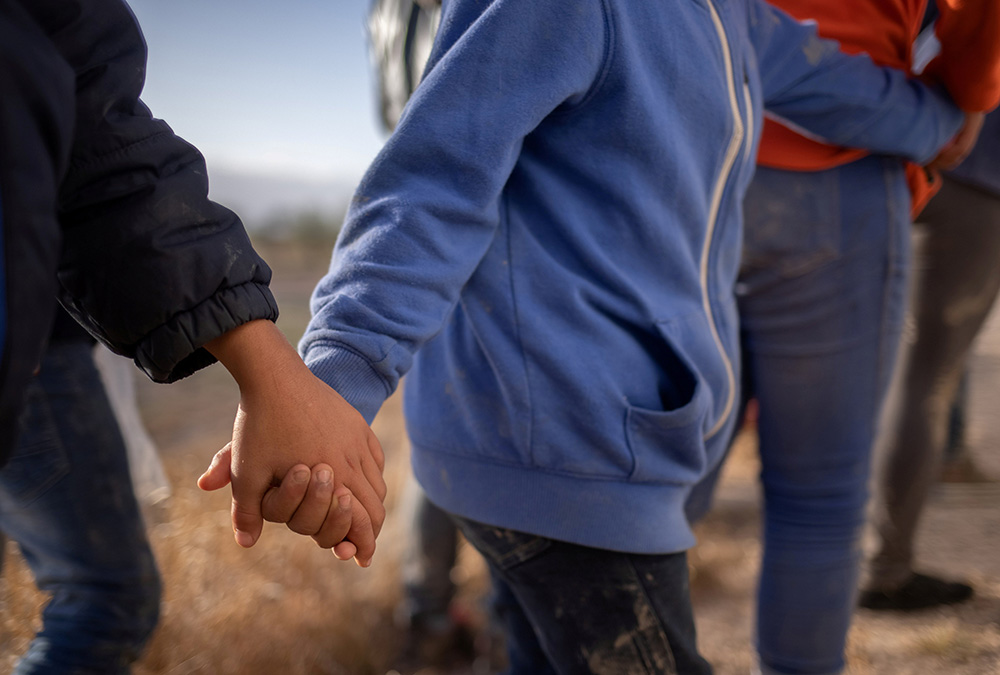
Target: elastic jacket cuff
(175, 349)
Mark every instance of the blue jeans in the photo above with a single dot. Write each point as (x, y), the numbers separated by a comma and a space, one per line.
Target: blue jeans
(822, 294)
(571, 609)
(66, 498)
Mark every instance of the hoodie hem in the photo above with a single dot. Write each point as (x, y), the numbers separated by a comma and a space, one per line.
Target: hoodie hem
(644, 518)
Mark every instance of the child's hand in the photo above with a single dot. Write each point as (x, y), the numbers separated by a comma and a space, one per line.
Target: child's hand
(959, 148)
(303, 502)
(289, 419)
(308, 504)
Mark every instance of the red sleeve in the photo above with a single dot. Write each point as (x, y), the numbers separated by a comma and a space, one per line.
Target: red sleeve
(969, 63)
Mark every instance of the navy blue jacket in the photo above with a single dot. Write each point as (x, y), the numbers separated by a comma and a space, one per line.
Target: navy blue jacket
(104, 206)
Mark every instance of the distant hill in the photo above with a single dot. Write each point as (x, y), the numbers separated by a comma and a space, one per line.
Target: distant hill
(261, 200)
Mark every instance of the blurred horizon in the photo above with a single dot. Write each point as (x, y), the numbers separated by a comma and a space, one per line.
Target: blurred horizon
(278, 97)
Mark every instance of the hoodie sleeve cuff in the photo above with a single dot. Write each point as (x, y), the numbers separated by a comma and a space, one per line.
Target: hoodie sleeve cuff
(350, 375)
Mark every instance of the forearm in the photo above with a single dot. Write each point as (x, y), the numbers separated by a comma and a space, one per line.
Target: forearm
(257, 355)
(428, 209)
(847, 99)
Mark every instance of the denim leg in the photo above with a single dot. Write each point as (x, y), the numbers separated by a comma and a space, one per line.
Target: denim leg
(589, 610)
(66, 498)
(822, 296)
(524, 652)
(956, 282)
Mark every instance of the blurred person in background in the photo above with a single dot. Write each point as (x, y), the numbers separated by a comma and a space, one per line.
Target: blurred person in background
(401, 33)
(821, 293)
(550, 239)
(104, 207)
(67, 499)
(955, 284)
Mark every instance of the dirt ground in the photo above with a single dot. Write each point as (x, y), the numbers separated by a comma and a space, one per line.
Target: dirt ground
(287, 607)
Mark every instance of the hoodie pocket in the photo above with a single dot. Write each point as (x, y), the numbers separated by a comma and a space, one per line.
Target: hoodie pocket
(668, 445)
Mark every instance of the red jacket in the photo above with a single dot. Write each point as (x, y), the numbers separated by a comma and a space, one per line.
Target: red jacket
(968, 66)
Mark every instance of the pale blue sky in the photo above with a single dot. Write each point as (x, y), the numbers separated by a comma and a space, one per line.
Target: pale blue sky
(264, 86)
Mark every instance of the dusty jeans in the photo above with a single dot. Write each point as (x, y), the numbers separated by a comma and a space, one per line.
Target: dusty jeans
(571, 609)
(822, 298)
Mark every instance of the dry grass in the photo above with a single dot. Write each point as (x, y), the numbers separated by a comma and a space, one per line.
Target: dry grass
(287, 607)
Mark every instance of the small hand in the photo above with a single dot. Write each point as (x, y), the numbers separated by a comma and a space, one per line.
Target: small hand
(959, 148)
(314, 508)
(308, 504)
(288, 418)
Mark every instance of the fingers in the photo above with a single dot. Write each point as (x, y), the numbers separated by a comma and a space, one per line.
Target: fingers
(947, 159)
(312, 512)
(249, 489)
(308, 504)
(217, 474)
(338, 521)
(362, 535)
(373, 471)
(335, 519)
(279, 504)
(370, 502)
(956, 151)
(345, 550)
(374, 477)
(247, 521)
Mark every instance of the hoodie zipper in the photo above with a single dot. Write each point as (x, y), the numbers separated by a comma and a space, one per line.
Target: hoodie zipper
(732, 151)
(750, 127)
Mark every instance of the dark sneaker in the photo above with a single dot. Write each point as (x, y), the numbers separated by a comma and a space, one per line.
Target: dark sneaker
(919, 592)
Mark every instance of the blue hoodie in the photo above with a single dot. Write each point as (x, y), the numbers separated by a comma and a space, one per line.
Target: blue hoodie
(548, 245)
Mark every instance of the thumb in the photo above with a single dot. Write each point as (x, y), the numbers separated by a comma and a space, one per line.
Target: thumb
(248, 492)
(217, 474)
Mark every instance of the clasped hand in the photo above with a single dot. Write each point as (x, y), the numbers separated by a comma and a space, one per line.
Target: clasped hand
(300, 454)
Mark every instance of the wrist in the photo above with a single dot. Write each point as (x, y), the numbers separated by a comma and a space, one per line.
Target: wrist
(254, 353)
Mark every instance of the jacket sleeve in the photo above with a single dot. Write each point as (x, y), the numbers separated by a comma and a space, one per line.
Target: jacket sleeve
(969, 62)
(150, 266)
(843, 99)
(427, 210)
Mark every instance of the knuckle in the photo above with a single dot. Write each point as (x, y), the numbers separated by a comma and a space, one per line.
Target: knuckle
(379, 514)
(243, 514)
(274, 511)
(299, 529)
(324, 541)
(337, 529)
(304, 526)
